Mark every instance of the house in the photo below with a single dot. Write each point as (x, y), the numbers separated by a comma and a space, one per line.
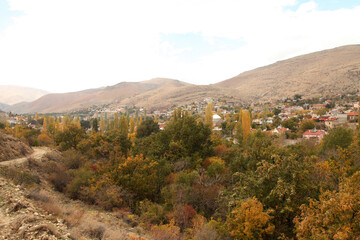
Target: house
(314, 134)
(352, 116)
(279, 130)
(216, 119)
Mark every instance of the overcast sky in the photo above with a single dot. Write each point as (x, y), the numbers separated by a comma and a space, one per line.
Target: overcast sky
(70, 45)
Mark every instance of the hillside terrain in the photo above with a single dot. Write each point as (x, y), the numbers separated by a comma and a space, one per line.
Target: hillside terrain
(31, 209)
(10, 95)
(11, 147)
(326, 72)
(63, 102)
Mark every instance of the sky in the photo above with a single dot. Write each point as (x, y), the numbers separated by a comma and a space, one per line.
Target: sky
(71, 45)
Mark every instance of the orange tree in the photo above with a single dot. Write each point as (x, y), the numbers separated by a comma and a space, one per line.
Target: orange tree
(336, 215)
(248, 221)
(138, 175)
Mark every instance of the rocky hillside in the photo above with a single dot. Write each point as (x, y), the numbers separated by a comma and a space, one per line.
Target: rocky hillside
(31, 209)
(11, 147)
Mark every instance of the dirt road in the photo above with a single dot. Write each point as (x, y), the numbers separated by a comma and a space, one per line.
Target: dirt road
(37, 154)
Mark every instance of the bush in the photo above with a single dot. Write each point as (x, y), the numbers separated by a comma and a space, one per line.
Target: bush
(80, 179)
(72, 159)
(58, 176)
(19, 177)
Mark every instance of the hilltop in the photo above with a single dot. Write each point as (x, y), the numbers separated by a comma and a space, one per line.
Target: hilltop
(330, 71)
(326, 72)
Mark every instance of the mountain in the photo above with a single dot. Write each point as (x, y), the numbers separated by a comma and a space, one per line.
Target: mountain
(3, 106)
(326, 72)
(62, 102)
(14, 94)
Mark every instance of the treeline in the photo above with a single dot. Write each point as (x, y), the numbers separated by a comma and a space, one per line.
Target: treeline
(186, 182)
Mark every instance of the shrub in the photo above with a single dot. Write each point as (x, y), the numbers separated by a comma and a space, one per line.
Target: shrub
(19, 177)
(166, 232)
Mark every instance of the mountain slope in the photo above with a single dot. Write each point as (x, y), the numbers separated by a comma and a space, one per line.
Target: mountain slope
(331, 71)
(326, 72)
(63, 102)
(14, 94)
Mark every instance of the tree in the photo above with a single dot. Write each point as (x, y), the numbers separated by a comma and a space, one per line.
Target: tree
(132, 125)
(336, 215)
(209, 115)
(123, 125)
(146, 128)
(291, 123)
(307, 124)
(70, 137)
(249, 221)
(139, 175)
(337, 137)
(243, 126)
(95, 125)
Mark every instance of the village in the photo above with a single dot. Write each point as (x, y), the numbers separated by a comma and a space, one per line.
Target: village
(292, 119)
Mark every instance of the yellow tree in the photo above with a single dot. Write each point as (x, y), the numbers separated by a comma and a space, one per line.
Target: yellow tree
(243, 126)
(334, 216)
(246, 124)
(249, 221)
(209, 115)
(123, 125)
(45, 125)
(51, 125)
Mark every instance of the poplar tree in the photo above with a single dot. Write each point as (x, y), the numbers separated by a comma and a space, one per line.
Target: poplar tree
(209, 115)
(132, 125)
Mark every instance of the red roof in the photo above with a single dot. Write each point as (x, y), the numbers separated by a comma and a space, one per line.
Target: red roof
(353, 114)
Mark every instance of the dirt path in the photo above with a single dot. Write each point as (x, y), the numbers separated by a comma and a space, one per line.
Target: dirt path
(37, 154)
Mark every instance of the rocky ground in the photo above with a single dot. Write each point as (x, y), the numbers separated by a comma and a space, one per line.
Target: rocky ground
(21, 219)
(36, 211)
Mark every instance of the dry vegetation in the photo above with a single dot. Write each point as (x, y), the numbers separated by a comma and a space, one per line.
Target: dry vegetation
(31, 209)
(11, 147)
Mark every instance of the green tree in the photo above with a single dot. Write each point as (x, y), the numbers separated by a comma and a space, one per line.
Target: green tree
(70, 137)
(338, 137)
(307, 124)
(146, 128)
(95, 125)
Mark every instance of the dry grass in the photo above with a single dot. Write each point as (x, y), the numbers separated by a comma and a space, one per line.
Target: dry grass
(19, 176)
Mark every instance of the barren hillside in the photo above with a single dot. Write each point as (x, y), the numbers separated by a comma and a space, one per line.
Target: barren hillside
(331, 71)
(326, 72)
(63, 102)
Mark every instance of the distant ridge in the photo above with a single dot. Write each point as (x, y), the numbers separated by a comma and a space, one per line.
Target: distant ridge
(15, 94)
(325, 72)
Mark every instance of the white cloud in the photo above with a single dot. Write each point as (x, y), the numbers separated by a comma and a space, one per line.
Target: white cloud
(75, 44)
